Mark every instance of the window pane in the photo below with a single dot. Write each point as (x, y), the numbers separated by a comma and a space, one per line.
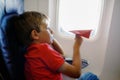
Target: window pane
(79, 14)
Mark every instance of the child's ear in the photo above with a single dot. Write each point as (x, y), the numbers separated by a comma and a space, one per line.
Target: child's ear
(34, 34)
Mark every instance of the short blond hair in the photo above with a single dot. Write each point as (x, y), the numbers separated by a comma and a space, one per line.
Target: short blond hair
(27, 22)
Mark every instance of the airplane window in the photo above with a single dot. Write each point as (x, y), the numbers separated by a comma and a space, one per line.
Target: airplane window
(79, 15)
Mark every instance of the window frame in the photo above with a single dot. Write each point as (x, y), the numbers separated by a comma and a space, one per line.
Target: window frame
(65, 34)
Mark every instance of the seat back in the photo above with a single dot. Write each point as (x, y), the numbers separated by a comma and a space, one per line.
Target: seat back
(11, 53)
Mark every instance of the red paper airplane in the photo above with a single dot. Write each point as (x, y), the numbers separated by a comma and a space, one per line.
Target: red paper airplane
(84, 33)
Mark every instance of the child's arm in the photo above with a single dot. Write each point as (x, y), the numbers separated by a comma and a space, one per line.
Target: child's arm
(57, 47)
(56, 44)
(74, 69)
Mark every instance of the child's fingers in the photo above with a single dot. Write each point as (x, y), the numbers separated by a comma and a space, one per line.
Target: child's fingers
(78, 39)
(51, 31)
(77, 36)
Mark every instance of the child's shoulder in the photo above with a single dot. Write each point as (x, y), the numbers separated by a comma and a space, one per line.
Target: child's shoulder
(42, 47)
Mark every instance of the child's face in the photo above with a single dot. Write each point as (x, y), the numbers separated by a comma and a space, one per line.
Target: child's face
(45, 34)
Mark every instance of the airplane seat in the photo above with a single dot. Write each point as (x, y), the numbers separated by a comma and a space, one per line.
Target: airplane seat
(11, 53)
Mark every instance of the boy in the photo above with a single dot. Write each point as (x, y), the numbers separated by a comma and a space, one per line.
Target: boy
(44, 57)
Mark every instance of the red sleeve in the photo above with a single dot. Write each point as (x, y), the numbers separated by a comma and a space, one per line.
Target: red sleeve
(52, 59)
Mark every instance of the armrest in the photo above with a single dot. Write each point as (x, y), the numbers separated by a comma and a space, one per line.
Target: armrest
(84, 62)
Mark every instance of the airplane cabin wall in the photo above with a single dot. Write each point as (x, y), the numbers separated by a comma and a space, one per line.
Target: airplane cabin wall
(36, 5)
(111, 69)
(98, 51)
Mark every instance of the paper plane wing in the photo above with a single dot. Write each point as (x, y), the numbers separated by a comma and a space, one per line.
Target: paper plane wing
(84, 33)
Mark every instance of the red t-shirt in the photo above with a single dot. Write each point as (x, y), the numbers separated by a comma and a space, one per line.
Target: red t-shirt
(42, 63)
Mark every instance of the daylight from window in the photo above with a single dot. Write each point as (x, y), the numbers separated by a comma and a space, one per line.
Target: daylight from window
(79, 15)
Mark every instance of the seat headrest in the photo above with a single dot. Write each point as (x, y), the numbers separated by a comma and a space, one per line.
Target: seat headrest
(11, 6)
(14, 6)
(1, 9)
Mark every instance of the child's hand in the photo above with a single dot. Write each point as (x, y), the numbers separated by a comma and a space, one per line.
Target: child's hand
(78, 41)
(51, 31)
